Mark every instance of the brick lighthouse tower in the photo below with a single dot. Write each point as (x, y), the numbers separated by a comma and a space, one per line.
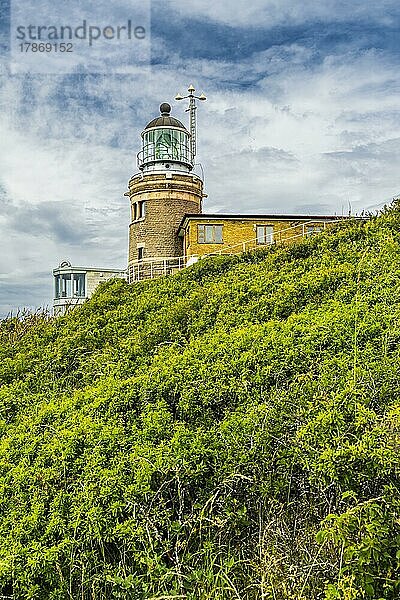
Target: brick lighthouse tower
(161, 193)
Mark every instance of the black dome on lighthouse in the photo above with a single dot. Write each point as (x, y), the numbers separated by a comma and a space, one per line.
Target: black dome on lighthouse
(165, 119)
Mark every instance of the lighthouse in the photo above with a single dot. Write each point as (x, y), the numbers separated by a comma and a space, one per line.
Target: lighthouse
(164, 189)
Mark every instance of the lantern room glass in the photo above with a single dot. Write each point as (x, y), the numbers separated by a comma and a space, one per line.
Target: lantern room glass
(166, 143)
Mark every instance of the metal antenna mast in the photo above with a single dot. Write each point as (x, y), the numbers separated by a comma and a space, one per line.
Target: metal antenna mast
(192, 114)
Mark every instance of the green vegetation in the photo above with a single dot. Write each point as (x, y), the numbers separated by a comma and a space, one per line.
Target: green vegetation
(228, 432)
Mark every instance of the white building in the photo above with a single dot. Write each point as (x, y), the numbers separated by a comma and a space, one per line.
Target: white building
(74, 285)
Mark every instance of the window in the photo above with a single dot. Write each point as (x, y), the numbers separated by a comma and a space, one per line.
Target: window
(56, 286)
(65, 286)
(209, 234)
(140, 253)
(166, 144)
(139, 210)
(265, 234)
(312, 229)
(79, 285)
(69, 285)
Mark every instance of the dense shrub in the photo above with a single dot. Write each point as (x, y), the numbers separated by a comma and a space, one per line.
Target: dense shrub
(228, 432)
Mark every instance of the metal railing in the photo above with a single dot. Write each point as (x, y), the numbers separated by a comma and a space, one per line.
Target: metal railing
(150, 268)
(176, 152)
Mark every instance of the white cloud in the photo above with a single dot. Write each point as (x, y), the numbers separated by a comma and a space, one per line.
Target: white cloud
(303, 116)
(303, 137)
(62, 197)
(270, 13)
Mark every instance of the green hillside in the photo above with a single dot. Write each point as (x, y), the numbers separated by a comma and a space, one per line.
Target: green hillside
(228, 432)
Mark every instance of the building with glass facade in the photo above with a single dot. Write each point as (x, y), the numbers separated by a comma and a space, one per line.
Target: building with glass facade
(74, 285)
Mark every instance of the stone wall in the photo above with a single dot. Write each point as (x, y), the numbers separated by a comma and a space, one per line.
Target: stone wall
(167, 197)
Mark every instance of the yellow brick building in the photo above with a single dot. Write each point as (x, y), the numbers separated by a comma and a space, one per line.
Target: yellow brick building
(205, 234)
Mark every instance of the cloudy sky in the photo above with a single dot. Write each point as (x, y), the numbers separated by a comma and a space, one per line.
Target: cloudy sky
(302, 117)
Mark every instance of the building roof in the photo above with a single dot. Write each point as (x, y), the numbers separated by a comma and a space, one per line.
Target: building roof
(225, 217)
(165, 119)
(66, 267)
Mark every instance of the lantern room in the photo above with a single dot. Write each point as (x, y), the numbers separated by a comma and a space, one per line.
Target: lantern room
(165, 144)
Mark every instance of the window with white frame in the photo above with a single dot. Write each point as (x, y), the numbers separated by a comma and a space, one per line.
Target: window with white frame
(70, 285)
(209, 234)
(265, 234)
(78, 284)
